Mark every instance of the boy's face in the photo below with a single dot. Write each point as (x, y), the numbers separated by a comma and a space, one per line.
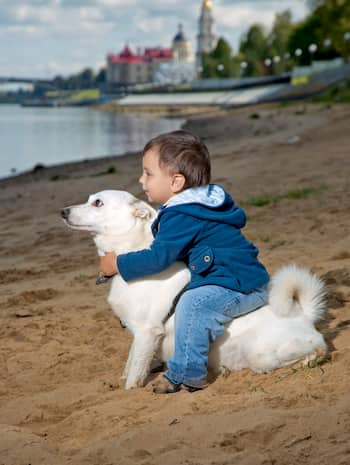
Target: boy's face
(159, 185)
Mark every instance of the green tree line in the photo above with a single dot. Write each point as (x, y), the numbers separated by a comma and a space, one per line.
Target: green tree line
(323, 34)
(86, 79)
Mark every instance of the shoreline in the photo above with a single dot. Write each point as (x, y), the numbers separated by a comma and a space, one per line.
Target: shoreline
(67, 169)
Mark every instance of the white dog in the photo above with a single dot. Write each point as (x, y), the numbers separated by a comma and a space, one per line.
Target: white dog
(274, 336)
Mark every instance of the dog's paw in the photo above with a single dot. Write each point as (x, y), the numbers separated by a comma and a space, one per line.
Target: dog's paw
(135, 383)
(130, 386)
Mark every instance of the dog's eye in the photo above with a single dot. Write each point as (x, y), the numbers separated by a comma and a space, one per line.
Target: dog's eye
(97, 203)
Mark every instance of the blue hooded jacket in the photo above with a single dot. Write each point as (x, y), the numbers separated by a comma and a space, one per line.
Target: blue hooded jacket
(201, 226)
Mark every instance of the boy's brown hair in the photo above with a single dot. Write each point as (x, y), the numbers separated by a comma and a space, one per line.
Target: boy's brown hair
(184, 153)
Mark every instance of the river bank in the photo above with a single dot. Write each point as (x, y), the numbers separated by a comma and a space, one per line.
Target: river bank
(63, 351)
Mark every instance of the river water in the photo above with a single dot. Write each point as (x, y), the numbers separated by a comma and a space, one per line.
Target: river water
(49, 136)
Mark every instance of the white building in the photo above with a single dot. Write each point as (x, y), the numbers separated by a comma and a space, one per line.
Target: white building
(182, 68)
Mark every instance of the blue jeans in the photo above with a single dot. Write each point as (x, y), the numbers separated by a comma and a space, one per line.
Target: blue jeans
(200, 318)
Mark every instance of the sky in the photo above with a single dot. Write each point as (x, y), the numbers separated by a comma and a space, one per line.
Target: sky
(43, 38)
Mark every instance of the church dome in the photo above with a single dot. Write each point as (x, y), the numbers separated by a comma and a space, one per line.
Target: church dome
(182, 47)
(180, 36)
(207, 4)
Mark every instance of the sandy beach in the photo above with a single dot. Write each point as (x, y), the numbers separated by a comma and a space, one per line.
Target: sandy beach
(63, 350)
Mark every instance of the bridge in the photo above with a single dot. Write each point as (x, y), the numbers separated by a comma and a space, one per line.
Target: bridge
(26, 80)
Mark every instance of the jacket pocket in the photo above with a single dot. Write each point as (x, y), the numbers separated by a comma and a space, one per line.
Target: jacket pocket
(202, 261)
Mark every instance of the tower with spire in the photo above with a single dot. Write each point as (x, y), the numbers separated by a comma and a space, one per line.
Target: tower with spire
(206, 39)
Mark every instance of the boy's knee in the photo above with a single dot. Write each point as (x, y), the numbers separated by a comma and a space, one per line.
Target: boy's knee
(190, 303)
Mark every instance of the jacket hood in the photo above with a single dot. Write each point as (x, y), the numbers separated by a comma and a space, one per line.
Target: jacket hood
(209, 202)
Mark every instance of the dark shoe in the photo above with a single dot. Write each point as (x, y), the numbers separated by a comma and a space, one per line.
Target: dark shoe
(164, 386)
(194, 388)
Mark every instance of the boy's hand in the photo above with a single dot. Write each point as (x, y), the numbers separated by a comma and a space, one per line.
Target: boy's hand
(108, 264)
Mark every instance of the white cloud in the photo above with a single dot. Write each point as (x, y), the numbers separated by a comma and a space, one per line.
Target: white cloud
(30, 14)
(118, 3)
(151, 25)
(53, 67)
(25, 32)
(242, 17)
(91, 14)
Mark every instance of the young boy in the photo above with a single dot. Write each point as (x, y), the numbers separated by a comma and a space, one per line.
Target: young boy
(199, 224)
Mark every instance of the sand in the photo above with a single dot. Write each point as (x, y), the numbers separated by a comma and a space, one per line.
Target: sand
(63, 351)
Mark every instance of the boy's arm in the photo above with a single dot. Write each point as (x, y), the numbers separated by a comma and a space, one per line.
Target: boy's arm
(176, 233)
(108, 264)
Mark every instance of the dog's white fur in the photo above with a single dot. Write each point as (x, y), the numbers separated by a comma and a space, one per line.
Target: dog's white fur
(276, 335)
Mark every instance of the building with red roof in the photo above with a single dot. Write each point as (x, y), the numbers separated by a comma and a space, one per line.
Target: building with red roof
(130, 68)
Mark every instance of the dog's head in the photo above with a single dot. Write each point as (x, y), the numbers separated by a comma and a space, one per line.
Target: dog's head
(108, 212)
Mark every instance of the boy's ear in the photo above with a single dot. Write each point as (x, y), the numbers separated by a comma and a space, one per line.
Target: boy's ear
(178, 183)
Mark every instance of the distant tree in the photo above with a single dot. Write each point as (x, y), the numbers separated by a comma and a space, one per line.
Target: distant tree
(255, 40)
(59, 82)
(305, 33)
(73, 82)
(326, 27)
(222, 51)
(101, 77)
(219, 62)
(254, 47)
(209, 66)
(334, 18)
(277, 40)
(86, 79)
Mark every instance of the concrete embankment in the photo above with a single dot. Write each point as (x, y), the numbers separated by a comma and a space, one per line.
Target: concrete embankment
(186, 103)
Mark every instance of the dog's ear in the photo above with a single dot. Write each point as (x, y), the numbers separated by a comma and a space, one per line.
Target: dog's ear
(143, 211)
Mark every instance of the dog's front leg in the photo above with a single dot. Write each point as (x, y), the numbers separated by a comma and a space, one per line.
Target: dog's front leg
(129, 361)
(146, 343)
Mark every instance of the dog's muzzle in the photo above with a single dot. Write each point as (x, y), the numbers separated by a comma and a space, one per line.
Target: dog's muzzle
(65, 213)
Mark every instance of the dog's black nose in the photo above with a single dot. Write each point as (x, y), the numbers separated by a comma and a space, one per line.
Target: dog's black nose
(65, 213)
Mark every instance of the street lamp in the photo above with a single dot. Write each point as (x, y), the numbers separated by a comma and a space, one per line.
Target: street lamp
(312, 49)
(286, 56)
(220, 67)
(268, 63)
(243, 65)
(276, 59)
(298, 52)
(327, 42)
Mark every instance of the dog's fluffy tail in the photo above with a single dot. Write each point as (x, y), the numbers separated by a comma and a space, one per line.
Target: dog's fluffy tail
(295, 291)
